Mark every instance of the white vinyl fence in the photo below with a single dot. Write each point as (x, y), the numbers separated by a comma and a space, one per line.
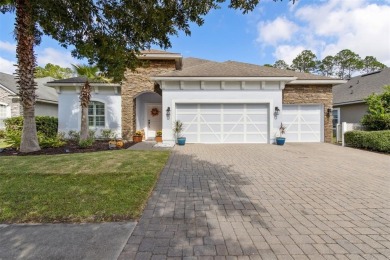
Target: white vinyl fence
(345, 127)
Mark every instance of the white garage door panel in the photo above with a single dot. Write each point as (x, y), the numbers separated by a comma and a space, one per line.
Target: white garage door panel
(303, 123)
(224, 123)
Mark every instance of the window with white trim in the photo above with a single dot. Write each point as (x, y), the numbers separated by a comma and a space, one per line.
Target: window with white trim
(96, 114)
(3, 115)
(3, 111)
(336, 117)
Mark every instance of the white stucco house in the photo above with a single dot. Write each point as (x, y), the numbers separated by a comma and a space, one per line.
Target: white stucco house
(218, 102)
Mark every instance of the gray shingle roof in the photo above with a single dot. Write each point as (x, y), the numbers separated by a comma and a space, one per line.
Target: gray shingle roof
(190, 62)
(236, 69)
(43, 93)
(360, 87)
(75, 80)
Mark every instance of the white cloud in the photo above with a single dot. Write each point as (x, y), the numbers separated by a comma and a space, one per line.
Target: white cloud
(272, 32)
(7, 46)
(7, 66)
(57, 57)
(327, 27)
(350, 24)
(287, 52)
(44, 56)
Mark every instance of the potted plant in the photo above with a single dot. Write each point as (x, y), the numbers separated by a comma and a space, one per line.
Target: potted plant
(177, 129)
(158, 136)
(280, 139)
(137, 137)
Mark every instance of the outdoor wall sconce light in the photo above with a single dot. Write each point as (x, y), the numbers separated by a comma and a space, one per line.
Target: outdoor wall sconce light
(328, 112)
(277, 111)
(168, 112)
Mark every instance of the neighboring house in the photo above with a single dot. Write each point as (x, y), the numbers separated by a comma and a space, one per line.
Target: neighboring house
(46, 101)
(218, 102)
(348, 98)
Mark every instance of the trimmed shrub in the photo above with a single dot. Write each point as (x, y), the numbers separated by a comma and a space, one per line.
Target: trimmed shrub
(46, 131)
(371, 140)
(46, 125)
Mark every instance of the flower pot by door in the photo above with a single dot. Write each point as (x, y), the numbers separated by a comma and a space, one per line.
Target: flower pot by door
(181, 141)
(158, 139)
(137, 138)
(280, 140)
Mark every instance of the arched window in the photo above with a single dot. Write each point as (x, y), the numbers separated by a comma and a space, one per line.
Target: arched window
(96, 114)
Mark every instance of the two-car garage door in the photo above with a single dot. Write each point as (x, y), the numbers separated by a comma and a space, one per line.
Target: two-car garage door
(224, 123)
(247, 123)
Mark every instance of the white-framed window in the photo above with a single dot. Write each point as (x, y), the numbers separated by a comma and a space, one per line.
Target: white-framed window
(336, 117)
(3, 115)
(96, 114)
(3, 111)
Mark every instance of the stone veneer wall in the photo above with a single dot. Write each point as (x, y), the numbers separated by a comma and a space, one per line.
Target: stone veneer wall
(138, 82)
(12, 101)
(312, 94)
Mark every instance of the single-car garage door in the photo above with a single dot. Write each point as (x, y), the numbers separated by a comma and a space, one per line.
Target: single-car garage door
(224, 123)
(303, 123)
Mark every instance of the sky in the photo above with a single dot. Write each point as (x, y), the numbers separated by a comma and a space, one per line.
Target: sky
(273, 31)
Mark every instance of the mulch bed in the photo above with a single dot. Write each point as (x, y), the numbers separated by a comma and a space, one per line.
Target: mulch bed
(70, 147)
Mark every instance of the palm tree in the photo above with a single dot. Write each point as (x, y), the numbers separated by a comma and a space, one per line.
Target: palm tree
(25, 30)
(92, 74)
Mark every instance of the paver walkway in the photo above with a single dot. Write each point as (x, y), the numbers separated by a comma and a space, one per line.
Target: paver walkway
(299, 201)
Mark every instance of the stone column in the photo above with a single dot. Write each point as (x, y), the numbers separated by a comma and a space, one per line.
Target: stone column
(136, 83)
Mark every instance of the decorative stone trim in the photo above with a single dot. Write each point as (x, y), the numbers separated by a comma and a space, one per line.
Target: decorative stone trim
(138, 82)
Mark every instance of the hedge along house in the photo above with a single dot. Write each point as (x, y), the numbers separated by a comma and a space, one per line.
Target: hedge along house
(218, 102)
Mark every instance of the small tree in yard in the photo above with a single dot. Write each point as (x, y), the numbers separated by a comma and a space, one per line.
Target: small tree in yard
(378, 116)
(91, 73)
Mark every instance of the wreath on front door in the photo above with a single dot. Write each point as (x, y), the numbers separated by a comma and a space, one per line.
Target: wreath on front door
(155, 112)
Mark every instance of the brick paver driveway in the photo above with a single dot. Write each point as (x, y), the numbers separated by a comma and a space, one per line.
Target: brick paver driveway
(300, 201)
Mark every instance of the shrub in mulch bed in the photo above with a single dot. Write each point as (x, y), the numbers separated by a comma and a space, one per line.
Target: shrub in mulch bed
(69, 147)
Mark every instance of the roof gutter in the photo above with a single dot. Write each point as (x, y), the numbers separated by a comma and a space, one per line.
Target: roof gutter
(42, 100)
(318, 81)
(349, 103)
(285, 79)
(82, 84)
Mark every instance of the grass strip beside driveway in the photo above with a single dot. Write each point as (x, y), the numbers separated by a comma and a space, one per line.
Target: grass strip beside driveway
(86, 187)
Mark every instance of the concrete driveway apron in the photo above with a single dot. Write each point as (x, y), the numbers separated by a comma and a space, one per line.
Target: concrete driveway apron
(298, 201)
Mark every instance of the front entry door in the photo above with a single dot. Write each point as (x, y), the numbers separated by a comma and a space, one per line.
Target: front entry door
(153, 119)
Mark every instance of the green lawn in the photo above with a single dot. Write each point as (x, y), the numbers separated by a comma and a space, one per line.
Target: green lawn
(89, 187)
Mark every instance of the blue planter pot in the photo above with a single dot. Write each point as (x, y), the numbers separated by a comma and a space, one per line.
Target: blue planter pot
(181, 141)
(280, 140)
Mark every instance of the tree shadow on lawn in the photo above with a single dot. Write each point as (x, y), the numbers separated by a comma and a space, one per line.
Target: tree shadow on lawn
(200, 208)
